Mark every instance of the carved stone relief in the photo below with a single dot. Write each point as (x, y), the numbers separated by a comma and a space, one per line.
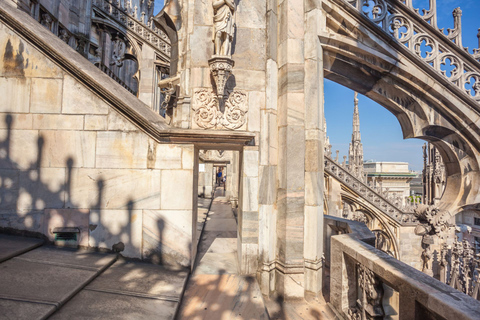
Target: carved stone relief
(371, 292)
(210, 112)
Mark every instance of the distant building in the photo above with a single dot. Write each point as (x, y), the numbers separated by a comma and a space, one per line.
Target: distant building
(416, 187)
(392, 177)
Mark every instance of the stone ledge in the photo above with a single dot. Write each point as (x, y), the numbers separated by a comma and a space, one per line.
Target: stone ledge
(413, 286)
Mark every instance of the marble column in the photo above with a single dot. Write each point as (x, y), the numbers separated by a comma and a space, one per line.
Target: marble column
(233, 179)
(314, 151)
(248, 228)
(291, 156)
(269, 159)
(299, 174)
(209, 180)
(201, 180)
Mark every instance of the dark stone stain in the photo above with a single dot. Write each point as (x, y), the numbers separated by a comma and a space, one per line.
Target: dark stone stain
(13, 60)
(118, 247)
(92, 227)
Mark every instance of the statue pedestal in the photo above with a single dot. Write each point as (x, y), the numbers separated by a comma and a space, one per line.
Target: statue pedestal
(221, 69)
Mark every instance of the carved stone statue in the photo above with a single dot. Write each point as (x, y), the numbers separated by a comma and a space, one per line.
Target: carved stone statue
(224, 20)
(426, 256)
(118, 54)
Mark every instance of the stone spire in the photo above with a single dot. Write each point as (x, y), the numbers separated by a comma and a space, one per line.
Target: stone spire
(355, 153)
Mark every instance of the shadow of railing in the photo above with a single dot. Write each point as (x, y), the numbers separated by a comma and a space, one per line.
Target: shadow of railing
(35, 197)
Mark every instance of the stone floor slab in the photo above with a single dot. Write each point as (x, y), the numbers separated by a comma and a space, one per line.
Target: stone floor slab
(310, 309)
(223, 297)
(141, 278)
(214, 263)
(221, 224)
(70, 257)
(11, 246)
(128, 290)
(37, 282)
(94, 305)
(220, 213)
(23, 310)
(34, 281)
(216, 244)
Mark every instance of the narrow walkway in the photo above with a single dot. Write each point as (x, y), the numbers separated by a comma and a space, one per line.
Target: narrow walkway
(215, 289)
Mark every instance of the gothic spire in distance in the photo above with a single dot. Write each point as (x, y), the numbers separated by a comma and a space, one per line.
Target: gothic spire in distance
(355, 152)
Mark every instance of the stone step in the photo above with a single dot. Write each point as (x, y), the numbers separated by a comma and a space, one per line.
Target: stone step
(128, 290)
(38, 282)
(12, 246)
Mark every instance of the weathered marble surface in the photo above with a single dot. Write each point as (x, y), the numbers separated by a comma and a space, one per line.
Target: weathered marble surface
(167, 236)
(68, 158)
(117, 230)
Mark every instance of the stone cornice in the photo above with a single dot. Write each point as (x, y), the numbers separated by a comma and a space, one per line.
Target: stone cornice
(110, 91)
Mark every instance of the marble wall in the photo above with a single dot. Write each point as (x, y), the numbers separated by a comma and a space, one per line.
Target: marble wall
(69, 159)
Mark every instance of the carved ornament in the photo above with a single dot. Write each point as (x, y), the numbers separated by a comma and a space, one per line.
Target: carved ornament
(221, 69)
(209, 112)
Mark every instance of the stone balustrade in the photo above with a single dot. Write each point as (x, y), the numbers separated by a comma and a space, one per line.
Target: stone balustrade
(460, 268)
(366, 283)
(129, 17)
(370, 195)
(443, 52)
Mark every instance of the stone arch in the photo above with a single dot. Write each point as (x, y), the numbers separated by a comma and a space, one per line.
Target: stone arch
(423, 100)
(374, 215)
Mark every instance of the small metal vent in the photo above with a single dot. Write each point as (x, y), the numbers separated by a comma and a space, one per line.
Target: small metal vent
(66, 236)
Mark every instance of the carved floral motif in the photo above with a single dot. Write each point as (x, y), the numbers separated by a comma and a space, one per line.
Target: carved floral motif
(208, 113)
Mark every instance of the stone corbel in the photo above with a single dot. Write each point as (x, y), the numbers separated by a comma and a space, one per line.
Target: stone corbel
(221, 69)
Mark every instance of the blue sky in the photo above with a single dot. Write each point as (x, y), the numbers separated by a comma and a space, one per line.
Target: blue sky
(381, 133)
(158, 6)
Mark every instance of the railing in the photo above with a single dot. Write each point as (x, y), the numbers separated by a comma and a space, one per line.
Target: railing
(76, 41)
(366, 283)
(112, 75)
(380, 202)
(404, 23)
(128, 16)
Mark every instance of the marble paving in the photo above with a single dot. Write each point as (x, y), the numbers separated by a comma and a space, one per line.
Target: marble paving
(50, 282)
(216, 290)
